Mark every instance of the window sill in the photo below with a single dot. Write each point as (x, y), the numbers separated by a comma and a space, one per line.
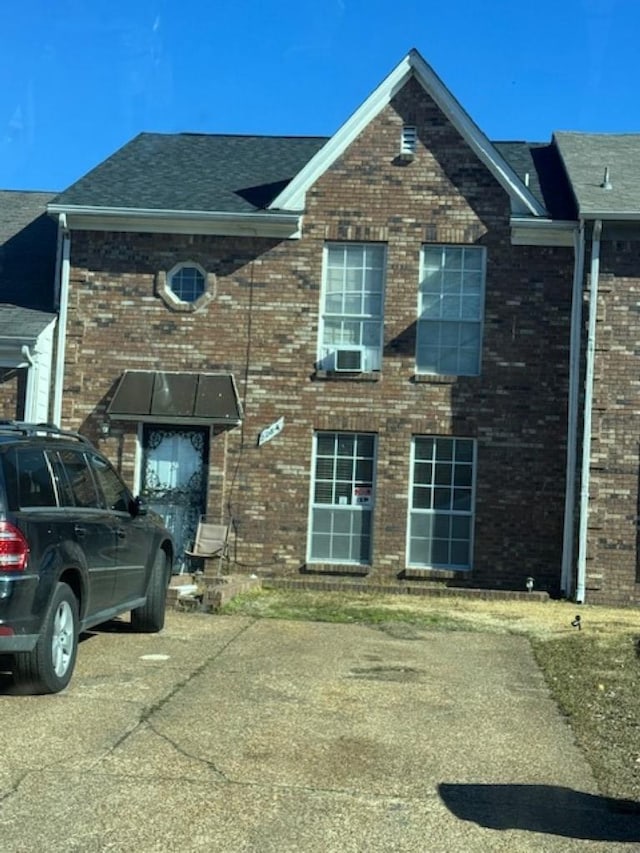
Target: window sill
(435, 574)
(342, 376)
(335, 569)
(433, 379)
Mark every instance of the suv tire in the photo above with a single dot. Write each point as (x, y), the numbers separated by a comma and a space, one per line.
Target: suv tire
(150, 617)
(48, 667)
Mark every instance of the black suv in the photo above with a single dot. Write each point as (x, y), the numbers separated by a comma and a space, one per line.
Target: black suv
(76, 549)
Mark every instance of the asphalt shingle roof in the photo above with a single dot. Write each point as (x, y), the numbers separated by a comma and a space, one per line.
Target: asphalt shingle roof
(17, 322)
(586, 155)
(195, 172)
(27, 250)
(243, 174)
(548, 182)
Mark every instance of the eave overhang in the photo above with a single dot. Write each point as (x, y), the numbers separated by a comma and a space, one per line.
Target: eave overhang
(14, 344)
(89, 218)
(523, 201)
(535, 231)
(611, 215)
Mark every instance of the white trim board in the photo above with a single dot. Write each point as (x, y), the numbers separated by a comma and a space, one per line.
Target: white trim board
(413, 65)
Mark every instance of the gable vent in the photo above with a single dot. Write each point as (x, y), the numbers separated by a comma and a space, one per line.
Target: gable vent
(408, 142)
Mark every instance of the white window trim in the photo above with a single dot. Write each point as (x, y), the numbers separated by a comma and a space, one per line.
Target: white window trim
(313, 505)
(322, 356)
(471, 514)
(419, 320)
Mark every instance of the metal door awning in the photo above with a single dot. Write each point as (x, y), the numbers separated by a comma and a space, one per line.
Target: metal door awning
(176, 398)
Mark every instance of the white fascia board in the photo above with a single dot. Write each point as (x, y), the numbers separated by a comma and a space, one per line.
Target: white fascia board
(475, 138)
(293, 196)
(530, 231)
(612, 215)
(87, 218)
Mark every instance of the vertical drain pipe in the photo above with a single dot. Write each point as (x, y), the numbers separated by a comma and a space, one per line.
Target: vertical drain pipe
(588, 405)
(566, 577)
(62, 320)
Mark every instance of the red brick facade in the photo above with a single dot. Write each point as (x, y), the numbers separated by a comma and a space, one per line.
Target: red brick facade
(613, 571)
(262, 326)
(13, 383)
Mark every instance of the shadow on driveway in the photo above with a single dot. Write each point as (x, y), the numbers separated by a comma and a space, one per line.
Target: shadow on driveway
(544, 808)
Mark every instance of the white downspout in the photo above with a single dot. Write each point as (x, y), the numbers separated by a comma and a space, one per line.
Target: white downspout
(31, 383)
(566, 577)
(588, 405)
(62, 322)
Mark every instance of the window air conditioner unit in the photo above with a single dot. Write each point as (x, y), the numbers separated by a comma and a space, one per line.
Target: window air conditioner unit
(349, 360)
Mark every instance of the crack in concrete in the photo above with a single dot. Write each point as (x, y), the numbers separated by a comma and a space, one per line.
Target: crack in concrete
(198, 759)
(353, 793)
(145, 718)
(148, 712)
(13, 787)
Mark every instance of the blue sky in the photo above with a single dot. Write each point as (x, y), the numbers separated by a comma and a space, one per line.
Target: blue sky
(81, 77)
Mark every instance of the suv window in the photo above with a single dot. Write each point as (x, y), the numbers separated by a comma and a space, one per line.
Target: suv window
(80, 478)
(28, 479)
(115, 492)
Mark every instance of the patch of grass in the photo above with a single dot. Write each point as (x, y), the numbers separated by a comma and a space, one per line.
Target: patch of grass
(593, 674)
(596, 682)
(328, 607)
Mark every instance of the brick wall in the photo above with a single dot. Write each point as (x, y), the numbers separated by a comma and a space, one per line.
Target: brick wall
(613, 573)
(13, 385)
(263, 326)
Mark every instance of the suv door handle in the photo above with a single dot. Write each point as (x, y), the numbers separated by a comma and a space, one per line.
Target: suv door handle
(79, 530)
(121, 533)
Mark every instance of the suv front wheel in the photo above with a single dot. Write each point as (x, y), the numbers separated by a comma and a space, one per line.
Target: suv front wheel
(150, 616)
(48, 667)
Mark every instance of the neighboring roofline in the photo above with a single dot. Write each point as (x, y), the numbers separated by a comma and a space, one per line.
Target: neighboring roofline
(586, 215)
(23, 338)
(293, 196)
(534, 231)
(96, 218)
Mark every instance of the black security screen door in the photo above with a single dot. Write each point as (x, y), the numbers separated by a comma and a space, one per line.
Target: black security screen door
(174, 479)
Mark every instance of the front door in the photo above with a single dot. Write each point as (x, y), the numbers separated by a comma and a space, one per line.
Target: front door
(174, 481)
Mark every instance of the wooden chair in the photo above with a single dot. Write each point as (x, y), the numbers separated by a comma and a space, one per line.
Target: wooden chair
(211, 541)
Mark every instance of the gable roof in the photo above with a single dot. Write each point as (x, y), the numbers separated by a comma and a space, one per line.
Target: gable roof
(210, 183)
(28, 239)
(586, 156)
(193, 172)
(413, 65)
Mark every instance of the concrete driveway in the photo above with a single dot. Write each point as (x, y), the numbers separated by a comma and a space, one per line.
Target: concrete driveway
(228, 734)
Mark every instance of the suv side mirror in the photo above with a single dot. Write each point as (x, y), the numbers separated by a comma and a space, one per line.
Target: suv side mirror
(139, 507)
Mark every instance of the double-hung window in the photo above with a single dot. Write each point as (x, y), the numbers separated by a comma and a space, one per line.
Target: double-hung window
(450, 310)
(342, 497)
(352, 306)
(441, 502)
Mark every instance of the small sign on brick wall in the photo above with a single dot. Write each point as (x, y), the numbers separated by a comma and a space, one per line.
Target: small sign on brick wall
(270, 432)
